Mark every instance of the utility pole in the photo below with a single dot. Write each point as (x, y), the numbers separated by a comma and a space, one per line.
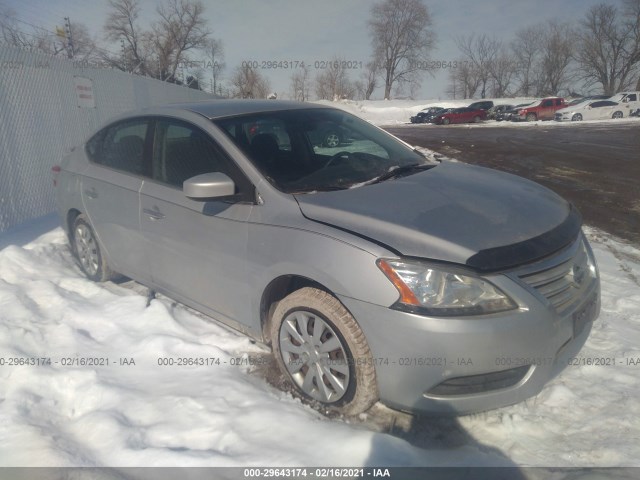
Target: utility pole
(67, 25)
(124, 55)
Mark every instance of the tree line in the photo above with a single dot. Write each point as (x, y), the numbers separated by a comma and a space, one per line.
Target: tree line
(600, 50)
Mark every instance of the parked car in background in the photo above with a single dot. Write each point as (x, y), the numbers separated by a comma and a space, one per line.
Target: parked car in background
(426, 115)
(509, 113)
(631, 99)
(578, 100)
(481, 105)
(460, 115)
(372, 272)
(497, 111)
(592, 110)
(544, 109)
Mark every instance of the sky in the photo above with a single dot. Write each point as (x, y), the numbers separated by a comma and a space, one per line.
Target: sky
(315, 31)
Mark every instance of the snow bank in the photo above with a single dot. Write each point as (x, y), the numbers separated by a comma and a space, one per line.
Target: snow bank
(146, 414)
(70, 413)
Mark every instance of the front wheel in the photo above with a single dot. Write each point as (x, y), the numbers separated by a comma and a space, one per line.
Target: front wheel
(331, 139)
(87, 251)
(576, 118)
(446, 121)
(321, 349)
(531, 117)
(618, 114)
(476, 119)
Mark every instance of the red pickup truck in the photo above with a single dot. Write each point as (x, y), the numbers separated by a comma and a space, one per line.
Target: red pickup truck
(544, 109)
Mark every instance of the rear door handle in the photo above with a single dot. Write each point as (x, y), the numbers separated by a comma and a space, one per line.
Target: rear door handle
(153, 214)
(91, 192)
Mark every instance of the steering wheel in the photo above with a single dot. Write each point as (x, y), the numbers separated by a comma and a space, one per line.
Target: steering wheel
(344, 155)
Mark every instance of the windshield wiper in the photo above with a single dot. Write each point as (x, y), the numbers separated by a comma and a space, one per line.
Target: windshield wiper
(395, 172)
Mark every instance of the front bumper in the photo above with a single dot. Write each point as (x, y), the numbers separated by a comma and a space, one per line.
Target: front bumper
(463, 365)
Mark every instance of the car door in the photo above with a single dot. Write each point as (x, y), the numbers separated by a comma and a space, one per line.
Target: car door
(598, 110)
(196, 249)
(110, 193)
(546, 110)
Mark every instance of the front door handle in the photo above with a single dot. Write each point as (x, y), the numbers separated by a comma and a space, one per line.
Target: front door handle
(91, 192)
(153, 213)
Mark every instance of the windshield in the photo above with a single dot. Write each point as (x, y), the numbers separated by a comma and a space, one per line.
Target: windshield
(302, 151)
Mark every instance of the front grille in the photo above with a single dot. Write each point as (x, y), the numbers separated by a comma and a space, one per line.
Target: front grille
(485, 382)
(563, 283)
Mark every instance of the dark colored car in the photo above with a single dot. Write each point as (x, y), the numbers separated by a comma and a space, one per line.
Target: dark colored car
(497, 110)
(461, 115)
(482, 105)
(427, 115)
(509, 113)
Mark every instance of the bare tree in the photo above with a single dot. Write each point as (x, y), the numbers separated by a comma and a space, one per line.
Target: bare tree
(463, 80)
(121, 25)
(181, 28)
(84, 46)
(248, 82)
(609, 48)
(301, 84)
(502, 71)
(480, 51)
(370, 79)
(215, 55)
(402, 40)
(557, 55)
(333, 82)
(526, 48)
(10, 32)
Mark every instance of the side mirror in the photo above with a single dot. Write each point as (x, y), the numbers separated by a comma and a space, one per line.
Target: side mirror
(208, 186)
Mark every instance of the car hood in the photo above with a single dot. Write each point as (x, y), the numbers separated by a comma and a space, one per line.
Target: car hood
(458, 213)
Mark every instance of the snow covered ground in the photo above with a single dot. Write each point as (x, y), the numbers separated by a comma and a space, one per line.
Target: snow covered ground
(132, 410)
(120, 414)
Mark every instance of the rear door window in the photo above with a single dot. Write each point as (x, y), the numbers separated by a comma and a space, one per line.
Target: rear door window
(120, 146)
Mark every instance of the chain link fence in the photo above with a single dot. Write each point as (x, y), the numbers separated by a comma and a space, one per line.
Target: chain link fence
(47, 106)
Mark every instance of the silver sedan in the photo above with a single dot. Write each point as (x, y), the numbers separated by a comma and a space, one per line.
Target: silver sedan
(373, 273)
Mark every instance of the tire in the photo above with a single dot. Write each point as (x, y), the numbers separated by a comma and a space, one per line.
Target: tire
(617, 114)
(341, 379)
(577, 117)
(86, 249)
(531, 117)
(331, 139)
(446, 121)
(476, 119)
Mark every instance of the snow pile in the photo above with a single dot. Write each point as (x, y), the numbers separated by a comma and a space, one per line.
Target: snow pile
(147, 414)
(121, 414)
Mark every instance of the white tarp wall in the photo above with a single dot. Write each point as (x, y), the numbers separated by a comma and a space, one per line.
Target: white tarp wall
(47, 106)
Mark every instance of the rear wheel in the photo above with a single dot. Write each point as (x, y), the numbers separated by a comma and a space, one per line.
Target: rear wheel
(577, 117)
(617, 114)
(321, 350)
(531, 117)
(87, 251)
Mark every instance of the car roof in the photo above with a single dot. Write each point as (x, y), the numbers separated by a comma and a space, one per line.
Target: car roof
(228, 108)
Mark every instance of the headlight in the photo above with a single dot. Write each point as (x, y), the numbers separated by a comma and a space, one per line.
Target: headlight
(439, 292)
